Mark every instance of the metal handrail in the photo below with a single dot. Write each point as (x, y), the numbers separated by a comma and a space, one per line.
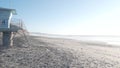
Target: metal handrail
(17, 24)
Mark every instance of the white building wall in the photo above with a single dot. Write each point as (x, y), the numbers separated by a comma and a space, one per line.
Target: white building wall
(5, 17)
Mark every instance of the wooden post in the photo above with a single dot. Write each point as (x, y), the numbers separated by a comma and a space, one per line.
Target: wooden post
(7, 39)
(11, 39)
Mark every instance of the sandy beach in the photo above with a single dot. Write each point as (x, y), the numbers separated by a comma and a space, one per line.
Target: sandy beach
(44, 52)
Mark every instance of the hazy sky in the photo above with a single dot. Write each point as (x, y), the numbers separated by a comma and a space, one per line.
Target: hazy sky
(76, 17)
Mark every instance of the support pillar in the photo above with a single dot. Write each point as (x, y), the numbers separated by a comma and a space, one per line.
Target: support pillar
(7, 39)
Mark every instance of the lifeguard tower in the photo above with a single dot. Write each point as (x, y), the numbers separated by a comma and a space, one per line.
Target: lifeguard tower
(6, 26)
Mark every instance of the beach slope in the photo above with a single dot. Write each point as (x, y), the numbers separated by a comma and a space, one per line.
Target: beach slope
(44, 52)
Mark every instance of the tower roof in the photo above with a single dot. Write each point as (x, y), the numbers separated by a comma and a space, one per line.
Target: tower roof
(8, 9)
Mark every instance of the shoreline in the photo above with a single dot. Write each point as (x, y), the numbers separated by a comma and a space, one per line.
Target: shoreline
(98, 43)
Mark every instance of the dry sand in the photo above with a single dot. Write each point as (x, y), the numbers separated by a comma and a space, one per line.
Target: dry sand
(43, 52)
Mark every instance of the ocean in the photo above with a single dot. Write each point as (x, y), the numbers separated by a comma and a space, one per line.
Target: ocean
(113, 40)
